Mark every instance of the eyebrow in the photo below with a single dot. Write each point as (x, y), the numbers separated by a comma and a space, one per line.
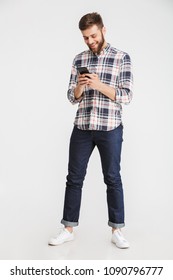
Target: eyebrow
(90, 35)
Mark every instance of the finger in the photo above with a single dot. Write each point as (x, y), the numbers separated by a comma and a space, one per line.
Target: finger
(88, 75)
(82, 80)
(95, 75)
(81, 75)
(92, 76)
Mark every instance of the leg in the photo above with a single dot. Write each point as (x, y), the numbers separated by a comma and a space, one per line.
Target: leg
(81, 147)
(109, 145)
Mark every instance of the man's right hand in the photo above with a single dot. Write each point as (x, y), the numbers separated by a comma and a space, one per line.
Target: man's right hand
(81, 83)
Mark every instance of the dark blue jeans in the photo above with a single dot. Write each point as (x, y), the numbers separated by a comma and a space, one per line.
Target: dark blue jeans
(82, 143)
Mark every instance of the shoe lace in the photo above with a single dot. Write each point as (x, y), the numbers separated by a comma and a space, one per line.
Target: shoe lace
(121, 235)
(60, 232)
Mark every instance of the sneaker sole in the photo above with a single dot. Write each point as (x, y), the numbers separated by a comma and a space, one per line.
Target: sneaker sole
(120, 247)
(56, 244)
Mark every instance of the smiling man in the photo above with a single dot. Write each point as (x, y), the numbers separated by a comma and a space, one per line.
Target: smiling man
(98, 123)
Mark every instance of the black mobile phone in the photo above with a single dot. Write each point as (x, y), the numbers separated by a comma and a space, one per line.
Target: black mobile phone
(83, 70)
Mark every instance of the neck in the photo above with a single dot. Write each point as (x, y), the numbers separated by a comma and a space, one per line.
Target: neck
(104, 45)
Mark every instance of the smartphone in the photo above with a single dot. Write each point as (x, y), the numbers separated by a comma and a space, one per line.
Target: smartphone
(83, 70)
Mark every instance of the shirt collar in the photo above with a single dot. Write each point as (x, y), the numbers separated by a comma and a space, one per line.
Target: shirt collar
(106, 48)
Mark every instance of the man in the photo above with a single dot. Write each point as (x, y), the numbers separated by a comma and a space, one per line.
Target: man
(100, 95)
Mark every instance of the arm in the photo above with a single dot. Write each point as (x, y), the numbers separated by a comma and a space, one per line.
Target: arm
(125, 81)
(76, 86)
(79, 89)
(95, 83)
(123, 92)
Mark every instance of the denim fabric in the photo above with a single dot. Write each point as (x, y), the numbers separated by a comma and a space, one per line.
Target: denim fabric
(82, 143)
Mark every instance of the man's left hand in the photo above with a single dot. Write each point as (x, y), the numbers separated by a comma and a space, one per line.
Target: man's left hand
(93, 81)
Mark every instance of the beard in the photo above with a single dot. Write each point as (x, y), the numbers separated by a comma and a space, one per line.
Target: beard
(100, 45)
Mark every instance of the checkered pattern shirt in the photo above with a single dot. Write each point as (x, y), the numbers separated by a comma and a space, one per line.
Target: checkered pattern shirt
(95, 110)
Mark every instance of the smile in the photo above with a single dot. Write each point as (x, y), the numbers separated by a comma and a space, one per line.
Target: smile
(93, 46)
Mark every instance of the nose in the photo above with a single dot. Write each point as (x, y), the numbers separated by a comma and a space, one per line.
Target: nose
(90, 41)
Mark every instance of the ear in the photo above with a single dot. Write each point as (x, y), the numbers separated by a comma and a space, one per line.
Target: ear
(104, 30)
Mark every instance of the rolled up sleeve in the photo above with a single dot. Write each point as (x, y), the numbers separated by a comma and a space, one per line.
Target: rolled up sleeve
(124, 89)
(72, 85)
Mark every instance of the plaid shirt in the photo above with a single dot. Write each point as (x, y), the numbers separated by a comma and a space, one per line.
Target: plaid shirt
(96, 111)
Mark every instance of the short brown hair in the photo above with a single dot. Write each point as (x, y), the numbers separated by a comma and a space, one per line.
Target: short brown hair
(89, 20)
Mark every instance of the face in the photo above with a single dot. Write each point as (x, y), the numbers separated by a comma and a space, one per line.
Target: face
(94, 38)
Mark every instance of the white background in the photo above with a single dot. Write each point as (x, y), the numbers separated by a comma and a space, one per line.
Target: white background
(38, 41)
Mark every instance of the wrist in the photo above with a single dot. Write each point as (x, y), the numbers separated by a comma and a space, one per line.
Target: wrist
(78, 91)
(100, 87)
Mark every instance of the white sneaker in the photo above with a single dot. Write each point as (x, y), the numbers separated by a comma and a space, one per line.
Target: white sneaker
(63, 236)
(119, 240)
